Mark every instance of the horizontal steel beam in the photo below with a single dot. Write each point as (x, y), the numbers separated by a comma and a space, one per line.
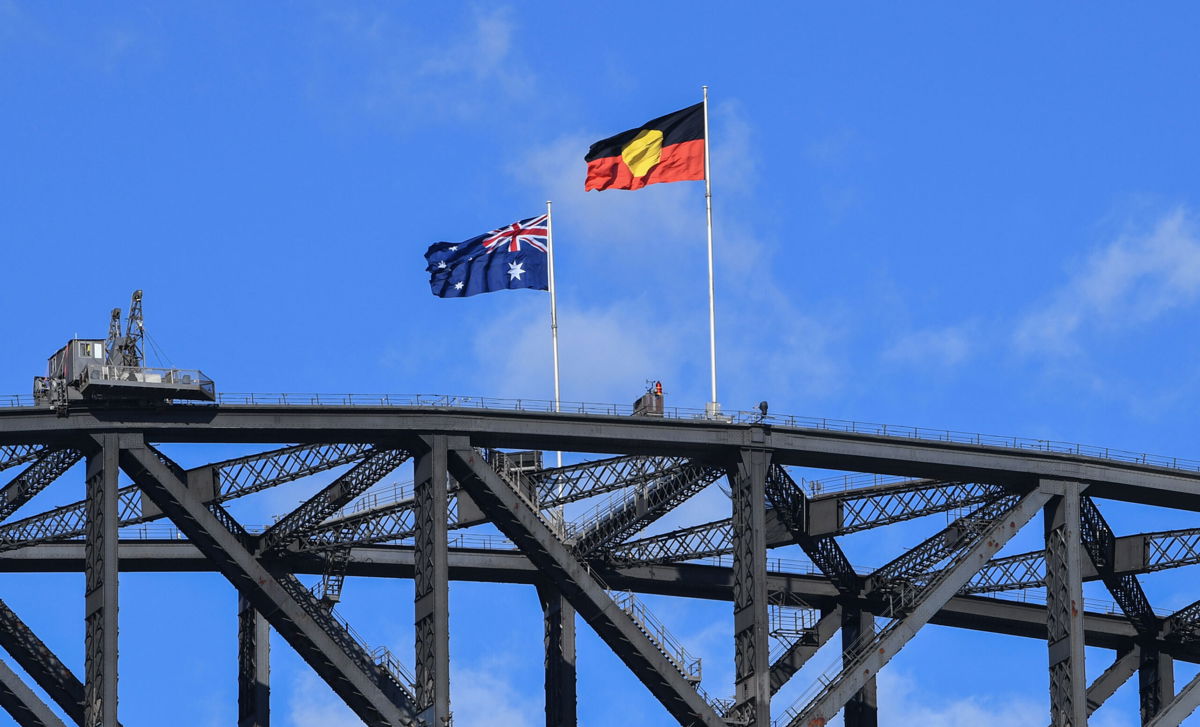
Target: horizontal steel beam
(704, 438)
(1110, 631)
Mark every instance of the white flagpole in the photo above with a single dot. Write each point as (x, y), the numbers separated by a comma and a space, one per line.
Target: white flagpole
(553, 306)
(713, 408)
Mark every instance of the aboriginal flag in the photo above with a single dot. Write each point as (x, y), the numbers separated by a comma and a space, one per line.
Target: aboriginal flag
(667, 149)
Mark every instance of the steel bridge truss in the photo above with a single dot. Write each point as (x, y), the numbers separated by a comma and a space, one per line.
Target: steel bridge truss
(592, 563)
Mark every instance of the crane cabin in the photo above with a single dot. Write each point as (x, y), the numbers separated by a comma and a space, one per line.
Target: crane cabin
(113, 369)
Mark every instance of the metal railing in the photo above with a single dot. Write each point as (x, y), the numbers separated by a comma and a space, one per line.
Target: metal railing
(543, 406)
(148, 375)
(688, 665)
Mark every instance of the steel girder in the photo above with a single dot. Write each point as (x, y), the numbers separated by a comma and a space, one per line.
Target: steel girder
(649, 499)
(221, 481)
(558, 619)
(374, 467)
(862, 708)
(831, 514)
(1100, 544)
(1178, 709)
(252, 473)
(372, 691)
(36, 477)
(1155, 672)
(562, 485)
(1064, 618)
(100, 594)
(25, 707)
(1117, 673)
(690, 543)
(254, 666)
(790, 505)
(431, 583)
(41, 664)
(752, 659)
(871, 507)
(512, 512)
(392, 521)
(797, 654)
(913, 607)
(1136, 480)
(1132, 554)
(12, 455)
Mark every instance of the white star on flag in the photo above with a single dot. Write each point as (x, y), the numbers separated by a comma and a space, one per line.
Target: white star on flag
(441, 264)
(515, 270)
(458, 285)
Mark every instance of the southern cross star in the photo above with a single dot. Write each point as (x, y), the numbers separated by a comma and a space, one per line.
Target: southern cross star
(515, 271)
(458, 285)
(441, 264)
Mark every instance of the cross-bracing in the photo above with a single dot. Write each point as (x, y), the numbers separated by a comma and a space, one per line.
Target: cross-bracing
(595, 562)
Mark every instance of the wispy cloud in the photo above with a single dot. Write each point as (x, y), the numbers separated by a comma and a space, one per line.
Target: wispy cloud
(412, 78)
(947, 346)
(607, 352)
(1133, 280)
(313, 704)
(483, 696)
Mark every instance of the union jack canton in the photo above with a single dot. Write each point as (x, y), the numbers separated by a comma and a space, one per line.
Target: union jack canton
(507, 258)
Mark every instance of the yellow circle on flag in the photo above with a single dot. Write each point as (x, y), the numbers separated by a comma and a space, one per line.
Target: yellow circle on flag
(644, 152)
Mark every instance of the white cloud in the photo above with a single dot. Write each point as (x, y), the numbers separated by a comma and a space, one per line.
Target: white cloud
(901, 701)
(607, 353)
(482, 696)
(948, 346)
(1133, 280)
(414, 79)
(478, 697)
(313, 704)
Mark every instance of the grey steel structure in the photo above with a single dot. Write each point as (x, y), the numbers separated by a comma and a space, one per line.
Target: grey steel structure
(466, 473)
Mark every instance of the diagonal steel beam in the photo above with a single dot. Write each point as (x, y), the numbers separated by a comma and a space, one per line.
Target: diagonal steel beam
(48, 467)
(1117, 673)
(1178, 709)
(519, 519)
(12, 455)
(21, 703)
(616, 520)
(1100, 543)
(256, 472)
(367, 688)
(912, 609)
(790, 506)
(330, 499)
(864, 508)
(802, 649)
(41, 664)
(219, 482)
(562, 485)
(696, 541)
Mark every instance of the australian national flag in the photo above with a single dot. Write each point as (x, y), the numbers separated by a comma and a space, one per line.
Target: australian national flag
(513, 256)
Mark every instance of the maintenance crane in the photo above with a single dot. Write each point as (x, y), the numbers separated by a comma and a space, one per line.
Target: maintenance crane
(113, 370)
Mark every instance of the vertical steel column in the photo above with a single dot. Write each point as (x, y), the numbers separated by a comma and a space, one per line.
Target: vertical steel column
(1156, 682)
(862, 709)
(100, 596)
(254, 667)
(559, 619)
(1064, 607)
(431, 584)
(752, 661)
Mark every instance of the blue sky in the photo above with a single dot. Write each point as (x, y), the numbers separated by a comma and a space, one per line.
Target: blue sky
(978, 217)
